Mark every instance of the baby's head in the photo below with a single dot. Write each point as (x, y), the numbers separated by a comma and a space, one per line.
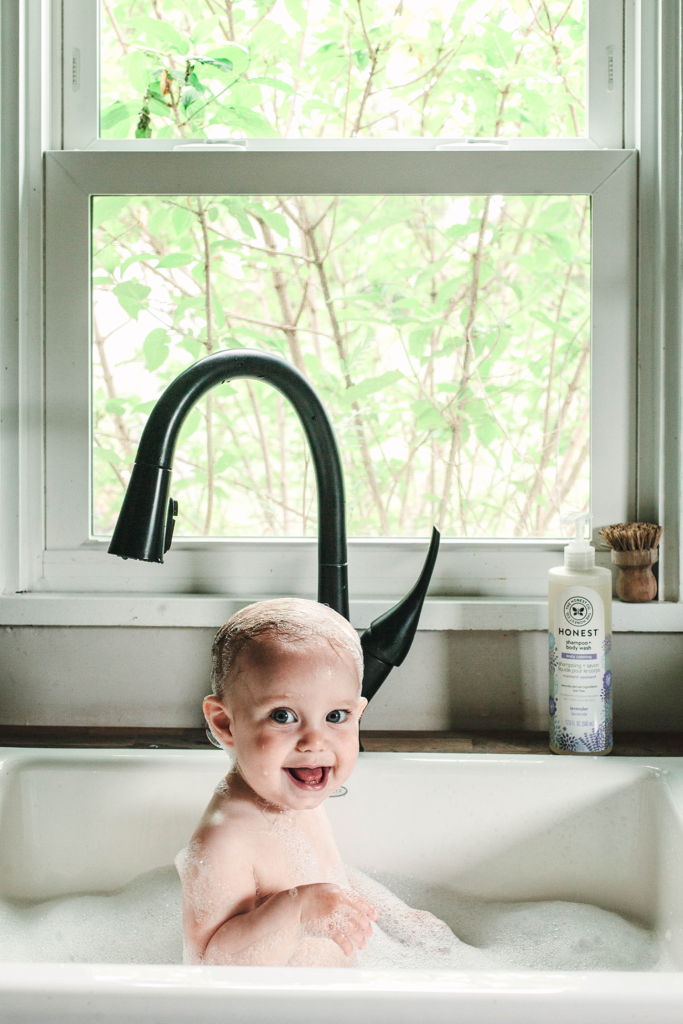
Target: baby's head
(286, 683)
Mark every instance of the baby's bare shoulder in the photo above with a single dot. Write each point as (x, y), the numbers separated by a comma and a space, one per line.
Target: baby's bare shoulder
(218, 880)
(218, 863)
(227, 826)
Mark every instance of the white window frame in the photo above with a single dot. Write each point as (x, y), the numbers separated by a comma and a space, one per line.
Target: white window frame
(46, 543)
(609, 176)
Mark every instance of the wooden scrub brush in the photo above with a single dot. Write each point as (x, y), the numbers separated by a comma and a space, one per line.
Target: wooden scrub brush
(634, 550)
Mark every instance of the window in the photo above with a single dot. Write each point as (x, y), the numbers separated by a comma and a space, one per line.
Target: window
(426, 166)
(609, 177)
(448, 335)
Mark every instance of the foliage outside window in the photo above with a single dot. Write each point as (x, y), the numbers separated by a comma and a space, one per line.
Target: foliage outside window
(342, 68)
(448, 337)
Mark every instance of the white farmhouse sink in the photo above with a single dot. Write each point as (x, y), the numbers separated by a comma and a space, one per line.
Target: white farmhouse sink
(606, 831)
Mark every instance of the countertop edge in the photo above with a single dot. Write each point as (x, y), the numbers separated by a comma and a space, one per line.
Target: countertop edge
(196, 611)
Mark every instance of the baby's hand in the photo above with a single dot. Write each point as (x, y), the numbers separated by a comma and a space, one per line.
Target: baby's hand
(338, 914)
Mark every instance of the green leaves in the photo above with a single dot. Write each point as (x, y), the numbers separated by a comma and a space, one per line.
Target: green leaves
(144, 407)
(220, 63)
(182, 220)
(275, 84)
(131, 296)
(106, 208)
(448, 291)
(553, 215)
(236, 56)
(431, 271)
(176, 259)
(385, 346)
(188, 96)
(319, 106)
(238, 212)
(417, 340)
(226, 244)
(248, 121)
(117, 113)
(317, 77)
(107, 455)
(190, 426)
(138, 71)
(273, 219)
(115, 406)
(359, 392)
(155, 348)
(295, 9)
(427, 417)
(487, 431)
(160, 33)
(137, 257)
(205, 28)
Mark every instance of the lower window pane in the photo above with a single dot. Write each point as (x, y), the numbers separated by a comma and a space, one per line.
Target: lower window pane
(449, 337)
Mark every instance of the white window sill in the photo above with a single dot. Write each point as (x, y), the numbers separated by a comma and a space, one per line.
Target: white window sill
(201, 610)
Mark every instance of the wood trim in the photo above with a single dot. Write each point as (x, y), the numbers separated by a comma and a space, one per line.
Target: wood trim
(462, 742)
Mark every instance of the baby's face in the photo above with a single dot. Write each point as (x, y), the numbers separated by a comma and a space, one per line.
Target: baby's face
(291, 714)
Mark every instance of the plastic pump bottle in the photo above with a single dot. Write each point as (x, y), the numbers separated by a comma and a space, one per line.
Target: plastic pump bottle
(580, 639)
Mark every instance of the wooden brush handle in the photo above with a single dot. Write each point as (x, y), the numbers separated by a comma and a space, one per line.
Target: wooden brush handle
(636, 581)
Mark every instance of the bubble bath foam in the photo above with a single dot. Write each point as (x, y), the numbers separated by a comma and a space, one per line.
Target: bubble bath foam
(580, 644)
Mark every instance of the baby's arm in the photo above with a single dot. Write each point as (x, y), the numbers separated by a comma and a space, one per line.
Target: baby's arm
(383, 899)
(226, 923)
(395, 917)
(269, 934)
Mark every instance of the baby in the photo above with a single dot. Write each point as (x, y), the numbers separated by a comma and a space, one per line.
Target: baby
(263, 882)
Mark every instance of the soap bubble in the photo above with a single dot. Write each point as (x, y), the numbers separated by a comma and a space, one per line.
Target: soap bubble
(552, 935)
(142, 923)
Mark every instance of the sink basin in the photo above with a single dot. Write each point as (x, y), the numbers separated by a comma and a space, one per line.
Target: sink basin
(603, 831)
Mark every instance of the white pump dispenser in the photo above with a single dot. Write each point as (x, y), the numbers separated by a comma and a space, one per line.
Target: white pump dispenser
(580, 639)
(579, 553)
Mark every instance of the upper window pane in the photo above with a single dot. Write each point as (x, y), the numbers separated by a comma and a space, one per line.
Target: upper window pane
(343, 68)
(448, 336)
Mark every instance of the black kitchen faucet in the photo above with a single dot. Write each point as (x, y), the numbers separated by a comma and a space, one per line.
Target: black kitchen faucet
(144, 529)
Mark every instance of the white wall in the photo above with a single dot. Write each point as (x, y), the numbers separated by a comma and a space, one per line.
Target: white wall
(94, 676)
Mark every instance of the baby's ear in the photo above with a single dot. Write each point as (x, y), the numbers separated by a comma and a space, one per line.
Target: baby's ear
(218, 720)
(362, 704)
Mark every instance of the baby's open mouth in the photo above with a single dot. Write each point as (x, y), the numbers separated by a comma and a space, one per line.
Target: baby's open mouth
(310, 779)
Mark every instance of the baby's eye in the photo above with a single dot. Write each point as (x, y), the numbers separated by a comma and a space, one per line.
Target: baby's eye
(337, 716)
(283, 716)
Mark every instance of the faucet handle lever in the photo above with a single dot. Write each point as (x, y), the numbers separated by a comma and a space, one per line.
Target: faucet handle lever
(170, 523)
(388, 639)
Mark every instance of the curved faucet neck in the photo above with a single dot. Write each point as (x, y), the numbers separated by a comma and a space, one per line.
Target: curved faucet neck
(157, 446)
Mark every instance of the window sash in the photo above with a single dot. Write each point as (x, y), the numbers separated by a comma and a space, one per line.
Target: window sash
(49, 561)
(73, 561)
(80, 76)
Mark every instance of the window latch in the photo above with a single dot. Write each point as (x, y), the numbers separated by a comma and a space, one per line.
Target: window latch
(213, 146)
(472, 144)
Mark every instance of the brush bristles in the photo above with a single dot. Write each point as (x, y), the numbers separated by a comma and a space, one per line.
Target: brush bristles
(632, 536)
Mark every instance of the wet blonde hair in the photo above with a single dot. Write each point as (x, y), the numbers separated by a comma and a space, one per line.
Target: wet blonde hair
(289, 620)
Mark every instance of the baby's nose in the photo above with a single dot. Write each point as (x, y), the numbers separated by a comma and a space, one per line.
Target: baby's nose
(311, 739)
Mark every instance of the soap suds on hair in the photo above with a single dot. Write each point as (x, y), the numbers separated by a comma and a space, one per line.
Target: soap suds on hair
(291, 621)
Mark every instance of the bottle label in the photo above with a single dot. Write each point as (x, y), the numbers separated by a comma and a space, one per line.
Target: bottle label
(580, 674)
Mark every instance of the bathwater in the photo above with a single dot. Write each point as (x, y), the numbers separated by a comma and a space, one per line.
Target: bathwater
(142, 923)
(544, 936)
